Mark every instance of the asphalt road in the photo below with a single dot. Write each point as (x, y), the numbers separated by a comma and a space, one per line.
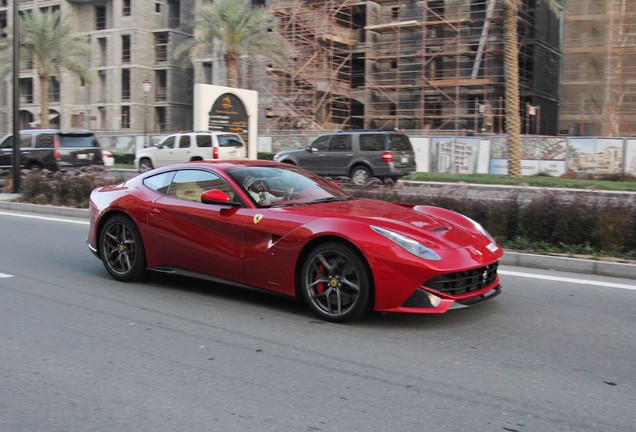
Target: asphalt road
(81, 352)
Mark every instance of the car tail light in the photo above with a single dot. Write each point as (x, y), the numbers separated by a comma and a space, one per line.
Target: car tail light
(56, 148)
(215, 153)
(387, 156)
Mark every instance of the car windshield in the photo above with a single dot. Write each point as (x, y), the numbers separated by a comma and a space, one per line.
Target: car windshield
(282, 186)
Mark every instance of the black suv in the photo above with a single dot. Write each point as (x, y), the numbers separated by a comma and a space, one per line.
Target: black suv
(52, 149)
(358, 154)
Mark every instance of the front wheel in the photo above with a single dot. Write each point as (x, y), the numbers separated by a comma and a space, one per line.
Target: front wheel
(335, 283)
(145, 165)
(122, 249)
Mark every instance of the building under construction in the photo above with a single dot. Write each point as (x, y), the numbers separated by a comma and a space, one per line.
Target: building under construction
(414, 65)
(599, 68)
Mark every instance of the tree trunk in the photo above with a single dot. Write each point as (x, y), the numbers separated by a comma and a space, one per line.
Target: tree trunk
(45, 79)
(233, 64)
(511, 66)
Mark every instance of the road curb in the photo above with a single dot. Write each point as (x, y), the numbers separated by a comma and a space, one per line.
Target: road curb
(547, 262)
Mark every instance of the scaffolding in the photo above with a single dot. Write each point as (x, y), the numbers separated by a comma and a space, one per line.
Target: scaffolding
(393, 64)
(314, 90)
(599, 74)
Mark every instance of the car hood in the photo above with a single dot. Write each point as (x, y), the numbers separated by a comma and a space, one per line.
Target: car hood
(292, 151)
(431, 230)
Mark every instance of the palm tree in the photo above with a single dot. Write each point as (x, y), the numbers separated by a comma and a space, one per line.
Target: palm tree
(49, 43)
(235, 28)
(511, 68)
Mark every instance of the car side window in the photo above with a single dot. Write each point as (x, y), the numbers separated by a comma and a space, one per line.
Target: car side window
(190, 184)
(184, 141)
(321, 143)
(400, 143)
(159, 182)
(341, 143)
(372, 142)
(204, 140)
(44, 141)
(229, 141)
(168, 143)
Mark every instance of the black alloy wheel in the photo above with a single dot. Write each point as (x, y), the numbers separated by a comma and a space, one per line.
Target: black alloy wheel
(122, 249)
(335, 283)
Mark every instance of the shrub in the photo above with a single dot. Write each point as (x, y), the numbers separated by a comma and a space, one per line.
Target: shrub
(63, 188)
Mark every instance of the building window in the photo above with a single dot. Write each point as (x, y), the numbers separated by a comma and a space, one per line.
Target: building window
(174, 13)
(26, 90)
(161, 47)
(161, 90)
(102, 85)
(162, 119)
(103, 51)
(125, 117)
(100, 17)
(54, 90)
(125, 84)
(125, 49)
(125, 7)
(158, 7)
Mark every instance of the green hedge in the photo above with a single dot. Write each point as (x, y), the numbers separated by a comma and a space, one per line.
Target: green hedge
(544, 224)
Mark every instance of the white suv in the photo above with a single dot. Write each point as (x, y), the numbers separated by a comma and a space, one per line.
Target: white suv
(191, 146)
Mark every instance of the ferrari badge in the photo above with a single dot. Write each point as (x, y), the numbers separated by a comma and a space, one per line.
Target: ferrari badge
(257, 218)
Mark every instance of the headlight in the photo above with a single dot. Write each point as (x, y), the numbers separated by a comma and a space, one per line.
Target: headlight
(408, 244)
(482, 230)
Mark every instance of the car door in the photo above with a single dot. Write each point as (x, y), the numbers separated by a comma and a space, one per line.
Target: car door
(190, 235)
(340, 155)
(6, 152)
(316, 157)
(165, 151)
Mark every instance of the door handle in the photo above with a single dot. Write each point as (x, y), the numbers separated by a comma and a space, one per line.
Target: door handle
(155, 211)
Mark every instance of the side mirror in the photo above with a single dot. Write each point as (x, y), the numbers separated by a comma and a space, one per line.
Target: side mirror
(216, 196)
(311, 149)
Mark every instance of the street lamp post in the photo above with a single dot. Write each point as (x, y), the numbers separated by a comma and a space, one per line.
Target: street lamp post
(146, 86)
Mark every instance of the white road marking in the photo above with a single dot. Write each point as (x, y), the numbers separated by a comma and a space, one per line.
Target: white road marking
(48, 218)
(569, 280)
(4, 275)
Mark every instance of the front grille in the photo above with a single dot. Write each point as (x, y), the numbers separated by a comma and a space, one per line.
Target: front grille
(465, 281)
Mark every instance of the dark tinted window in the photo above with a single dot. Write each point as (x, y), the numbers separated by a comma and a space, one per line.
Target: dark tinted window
(44, 141)
(341, 143)
(229, 141)
(204, 141)
(25, 141)
(184, 141)
(372, 142)
(167, 143)
(400, 143)
(77, 141)
(321, 143)
(159, 182)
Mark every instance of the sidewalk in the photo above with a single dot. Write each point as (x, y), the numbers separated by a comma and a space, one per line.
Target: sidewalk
(547, 262)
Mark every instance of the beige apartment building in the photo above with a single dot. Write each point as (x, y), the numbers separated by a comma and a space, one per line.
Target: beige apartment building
(425, 66)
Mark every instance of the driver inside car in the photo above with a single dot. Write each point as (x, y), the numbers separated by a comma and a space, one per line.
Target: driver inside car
(257, 188)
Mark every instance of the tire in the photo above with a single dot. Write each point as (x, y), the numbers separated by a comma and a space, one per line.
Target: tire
(145, 165)
(360, 175)
(122, 250)
(335, 283)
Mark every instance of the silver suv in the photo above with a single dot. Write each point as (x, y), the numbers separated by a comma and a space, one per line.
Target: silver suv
(191, 146)
(359, 154)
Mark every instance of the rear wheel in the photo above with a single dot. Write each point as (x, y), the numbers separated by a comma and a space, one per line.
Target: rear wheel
(145, 165)
(360, 175)
(122, 250)
(335, 283)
